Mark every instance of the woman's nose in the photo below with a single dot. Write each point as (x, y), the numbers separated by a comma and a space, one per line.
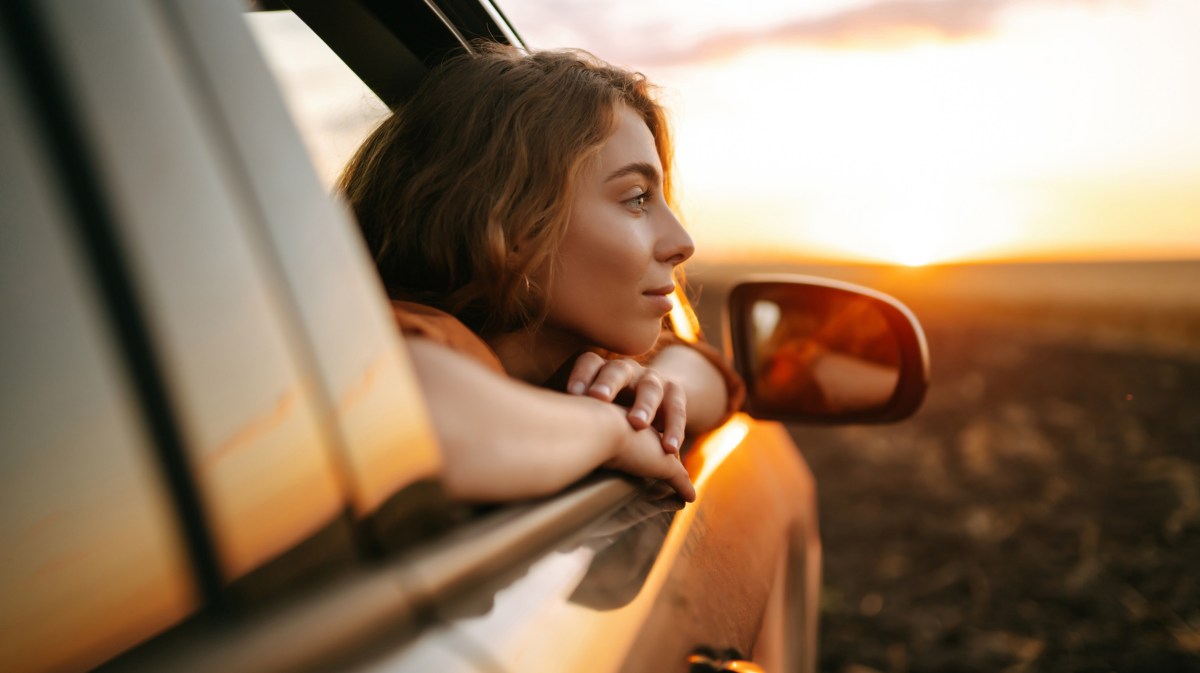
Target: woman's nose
(675, 245)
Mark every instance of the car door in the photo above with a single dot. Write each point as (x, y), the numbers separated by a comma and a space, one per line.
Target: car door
(216, 454)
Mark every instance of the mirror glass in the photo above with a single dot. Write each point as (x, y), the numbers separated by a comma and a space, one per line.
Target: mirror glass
(820, 351)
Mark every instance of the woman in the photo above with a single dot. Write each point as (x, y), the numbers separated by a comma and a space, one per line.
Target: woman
(518, 210)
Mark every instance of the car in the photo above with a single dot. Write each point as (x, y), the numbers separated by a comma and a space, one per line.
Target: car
(217, 457)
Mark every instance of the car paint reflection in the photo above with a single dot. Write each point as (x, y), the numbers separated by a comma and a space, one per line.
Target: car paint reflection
(589, 605)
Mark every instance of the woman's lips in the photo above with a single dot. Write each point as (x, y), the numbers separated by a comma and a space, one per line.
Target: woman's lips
(660, 298)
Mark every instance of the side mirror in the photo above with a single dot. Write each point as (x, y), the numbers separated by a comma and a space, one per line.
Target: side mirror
(814, 350)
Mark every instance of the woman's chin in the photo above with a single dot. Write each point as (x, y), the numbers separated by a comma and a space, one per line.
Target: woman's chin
(634, 342)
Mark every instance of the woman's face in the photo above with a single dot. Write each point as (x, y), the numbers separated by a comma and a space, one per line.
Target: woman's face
(614, 270)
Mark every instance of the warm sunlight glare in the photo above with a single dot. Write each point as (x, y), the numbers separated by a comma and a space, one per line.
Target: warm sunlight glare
(944, 151)
(915, 185)
(683, 319)
(713, 449)
(918, 222)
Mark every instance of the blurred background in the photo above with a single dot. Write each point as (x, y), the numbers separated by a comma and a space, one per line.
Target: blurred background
(1025, 174)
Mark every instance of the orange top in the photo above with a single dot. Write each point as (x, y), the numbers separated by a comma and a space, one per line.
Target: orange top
(442, 328)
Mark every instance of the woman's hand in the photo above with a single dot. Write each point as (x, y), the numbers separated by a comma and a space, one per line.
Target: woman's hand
(657, 400)
(513, 445)
(640, 454)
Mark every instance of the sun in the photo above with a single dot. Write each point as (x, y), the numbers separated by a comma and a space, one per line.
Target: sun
(914, 222)
(893, 169)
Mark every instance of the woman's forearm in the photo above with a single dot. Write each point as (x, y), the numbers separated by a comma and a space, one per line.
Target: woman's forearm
(707, 396)
(502, 439)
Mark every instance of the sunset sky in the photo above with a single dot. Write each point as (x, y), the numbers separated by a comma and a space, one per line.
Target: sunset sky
(916, 131)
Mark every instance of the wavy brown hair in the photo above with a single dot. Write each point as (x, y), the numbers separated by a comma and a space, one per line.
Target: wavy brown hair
(465, 191)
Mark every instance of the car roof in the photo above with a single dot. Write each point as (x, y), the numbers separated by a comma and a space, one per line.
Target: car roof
(390, 45)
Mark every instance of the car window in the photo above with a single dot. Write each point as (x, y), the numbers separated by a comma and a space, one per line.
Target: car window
(331, 106)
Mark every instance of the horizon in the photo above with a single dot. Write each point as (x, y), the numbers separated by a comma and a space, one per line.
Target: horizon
(1111, 287)
(776, 257)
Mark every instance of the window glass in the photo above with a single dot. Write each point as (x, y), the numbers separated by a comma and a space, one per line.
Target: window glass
(332, 107)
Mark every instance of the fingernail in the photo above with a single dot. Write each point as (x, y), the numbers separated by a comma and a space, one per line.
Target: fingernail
(673, 442)
(639, 415)
(602, 390)
(577, 388)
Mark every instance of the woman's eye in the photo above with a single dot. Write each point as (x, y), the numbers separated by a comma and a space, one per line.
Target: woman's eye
(638, 202)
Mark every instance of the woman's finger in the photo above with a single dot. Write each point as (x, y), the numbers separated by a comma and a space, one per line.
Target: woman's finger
(641, 455)
(648, 394)
(679, 480)
(673, 411)
(614, 377)
(584, 372)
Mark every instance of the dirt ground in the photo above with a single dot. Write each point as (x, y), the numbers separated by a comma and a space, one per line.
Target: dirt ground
(1040, 513)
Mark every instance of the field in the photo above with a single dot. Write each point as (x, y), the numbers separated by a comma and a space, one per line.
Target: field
(1042, 511)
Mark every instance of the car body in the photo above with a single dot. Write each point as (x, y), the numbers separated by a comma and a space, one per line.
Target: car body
(216, 455)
